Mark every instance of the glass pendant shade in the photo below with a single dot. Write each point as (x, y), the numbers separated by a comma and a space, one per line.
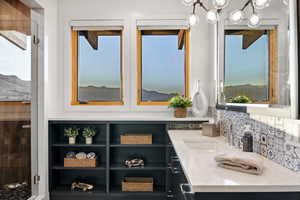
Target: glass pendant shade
(261, 4)
(193, 19)
(254, 21)
(220, 4)
(236, 16)
(188, 2)
(285, 2)
(212, 16)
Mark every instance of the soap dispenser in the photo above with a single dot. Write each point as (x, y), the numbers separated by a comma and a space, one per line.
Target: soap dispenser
(247, 139)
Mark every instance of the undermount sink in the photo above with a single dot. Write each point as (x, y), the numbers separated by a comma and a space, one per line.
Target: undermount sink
(201, 146)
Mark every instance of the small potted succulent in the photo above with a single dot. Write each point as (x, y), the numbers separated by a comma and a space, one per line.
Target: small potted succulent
(180, 105)
(72, 133)
(241, 99)
(89, 133)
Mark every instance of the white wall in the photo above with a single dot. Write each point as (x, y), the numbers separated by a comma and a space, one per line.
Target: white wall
(202, 59)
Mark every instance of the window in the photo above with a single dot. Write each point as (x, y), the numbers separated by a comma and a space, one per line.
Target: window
(15, 67)
(250, 66)
(97, 68)
(163, 65)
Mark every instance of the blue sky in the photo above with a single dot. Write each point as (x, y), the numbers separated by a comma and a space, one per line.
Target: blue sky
(248, 66)
(15, 61)
(100, 67)
(163, 63)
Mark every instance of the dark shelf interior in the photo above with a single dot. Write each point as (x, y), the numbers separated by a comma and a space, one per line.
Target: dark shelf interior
(109, 173)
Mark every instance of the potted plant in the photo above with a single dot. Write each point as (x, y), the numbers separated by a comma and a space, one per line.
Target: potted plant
(180, 104)
(72, 133)
(89, 133)
(241, 99)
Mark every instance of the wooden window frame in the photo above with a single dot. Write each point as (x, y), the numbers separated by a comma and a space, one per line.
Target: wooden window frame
(74, 47)
(139, 64)
(272, 68)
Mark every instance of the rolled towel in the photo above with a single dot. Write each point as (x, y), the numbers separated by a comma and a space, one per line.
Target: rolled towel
(246, 162)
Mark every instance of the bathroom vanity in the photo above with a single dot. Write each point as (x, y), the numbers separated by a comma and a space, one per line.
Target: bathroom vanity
(205, 181)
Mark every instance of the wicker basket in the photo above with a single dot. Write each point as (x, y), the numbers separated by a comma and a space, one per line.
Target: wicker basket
(135, 184)
(136, 139)
(70, 162)
(180, 112)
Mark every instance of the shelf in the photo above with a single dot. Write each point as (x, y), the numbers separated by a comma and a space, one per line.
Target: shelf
(138, 145)
(66, 190)
(59, 167)
(151, 166)
(78, 145)
(158, 191)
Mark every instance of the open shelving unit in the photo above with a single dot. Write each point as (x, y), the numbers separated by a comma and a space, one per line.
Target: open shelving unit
(108, 175)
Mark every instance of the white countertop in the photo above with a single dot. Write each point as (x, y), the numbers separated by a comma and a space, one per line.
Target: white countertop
(204, 175)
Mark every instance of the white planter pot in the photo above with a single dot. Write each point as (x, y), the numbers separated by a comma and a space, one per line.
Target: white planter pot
(89, 140)
(72, 140)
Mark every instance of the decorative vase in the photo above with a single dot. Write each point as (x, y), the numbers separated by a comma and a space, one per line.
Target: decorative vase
(180, 112)
(200, 102)
(89, 140)
(72, 140)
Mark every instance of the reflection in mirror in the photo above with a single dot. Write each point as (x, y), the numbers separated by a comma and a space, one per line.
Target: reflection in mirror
(251, 69)
(254, 66)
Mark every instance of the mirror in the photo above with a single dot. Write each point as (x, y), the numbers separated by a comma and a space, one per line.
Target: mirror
(256, 64)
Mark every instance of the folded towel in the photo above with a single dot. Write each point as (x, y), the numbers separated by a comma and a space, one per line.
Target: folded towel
(246, 162)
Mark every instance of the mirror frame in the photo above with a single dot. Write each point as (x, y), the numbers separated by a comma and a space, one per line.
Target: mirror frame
(294, 58)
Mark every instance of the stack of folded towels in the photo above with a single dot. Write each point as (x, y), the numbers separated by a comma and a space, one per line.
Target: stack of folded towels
(250, 163)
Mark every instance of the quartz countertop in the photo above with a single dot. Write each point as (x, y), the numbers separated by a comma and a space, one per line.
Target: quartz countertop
(204, 175)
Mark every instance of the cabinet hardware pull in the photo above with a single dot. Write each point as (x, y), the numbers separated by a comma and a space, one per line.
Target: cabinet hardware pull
(26, 126)
(186, 190)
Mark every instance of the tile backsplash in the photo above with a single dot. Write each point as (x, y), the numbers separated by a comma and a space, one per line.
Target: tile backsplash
(274, 138)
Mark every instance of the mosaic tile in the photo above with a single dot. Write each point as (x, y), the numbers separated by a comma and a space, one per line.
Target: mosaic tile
(263, 150)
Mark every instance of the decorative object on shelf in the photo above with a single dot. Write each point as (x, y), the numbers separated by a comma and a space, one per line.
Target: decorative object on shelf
(15, 191)
(91, 155)
(200, 102)
(210, 130)
(236, 16)
(80, 159)
(137, 184)
(89, 133)
(247, 139)
(72, 133)
(71, 154)
(82, 186)
(180, 104)
(136, 139)
(80, 155)
(134, 163)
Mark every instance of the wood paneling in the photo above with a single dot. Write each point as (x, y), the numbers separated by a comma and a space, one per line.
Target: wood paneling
(15, 16)
(273, 67)
(15, 152)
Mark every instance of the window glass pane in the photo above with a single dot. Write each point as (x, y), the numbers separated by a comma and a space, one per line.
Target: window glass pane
(99, 70)
(15, 67)
(163, 71)
(246, 70)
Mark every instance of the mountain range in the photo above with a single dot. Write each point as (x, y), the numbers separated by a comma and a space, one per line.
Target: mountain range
(13, 88)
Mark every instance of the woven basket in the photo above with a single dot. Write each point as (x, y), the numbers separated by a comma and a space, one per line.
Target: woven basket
(136, 139)
(135, 184)
(180, 112)
(70, 162)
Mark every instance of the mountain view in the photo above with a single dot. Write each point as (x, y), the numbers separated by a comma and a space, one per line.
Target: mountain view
(257, 93)
(14, 89)
(93, 93)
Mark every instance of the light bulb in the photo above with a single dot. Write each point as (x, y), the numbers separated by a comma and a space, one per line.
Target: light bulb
(254, 21)
(220, 4)
(193, 19)
(236, 16)
(212, 16)
(261, 4)
(188, 2)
